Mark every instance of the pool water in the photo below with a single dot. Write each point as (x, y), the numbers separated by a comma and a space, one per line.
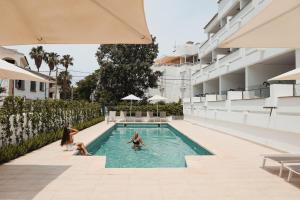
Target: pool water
(164, 147)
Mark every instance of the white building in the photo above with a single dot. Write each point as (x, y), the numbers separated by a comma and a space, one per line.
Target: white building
(230, 89)
(24, 88)
(176, 70)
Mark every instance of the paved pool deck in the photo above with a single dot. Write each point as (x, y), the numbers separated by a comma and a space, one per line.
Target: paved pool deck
(233, 173)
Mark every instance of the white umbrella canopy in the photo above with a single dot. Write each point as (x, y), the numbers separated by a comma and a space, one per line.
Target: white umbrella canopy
(157, 98)
(291, 75)
(131, 98)
(73, 22)
(275, 26)
(10, 71)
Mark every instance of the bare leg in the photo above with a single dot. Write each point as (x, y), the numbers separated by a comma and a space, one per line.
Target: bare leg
(83, 149)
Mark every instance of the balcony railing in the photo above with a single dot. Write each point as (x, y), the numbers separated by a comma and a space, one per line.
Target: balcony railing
(232, 26)
(225, 61)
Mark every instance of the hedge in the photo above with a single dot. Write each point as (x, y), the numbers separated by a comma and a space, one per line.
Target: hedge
(26, 125)
(174, 109)
(12, 151)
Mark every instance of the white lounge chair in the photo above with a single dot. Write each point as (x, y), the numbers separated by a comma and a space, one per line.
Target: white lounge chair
(138, 116)
(150, 117)
(293, 169)
(163, 116)
(123, 116)
(282, 159)
(112, 116)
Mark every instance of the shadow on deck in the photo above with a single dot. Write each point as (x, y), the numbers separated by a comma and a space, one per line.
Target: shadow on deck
(26, 181)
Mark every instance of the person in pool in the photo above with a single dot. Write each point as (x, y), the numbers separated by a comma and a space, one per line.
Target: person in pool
(137, 141)
(67, 139)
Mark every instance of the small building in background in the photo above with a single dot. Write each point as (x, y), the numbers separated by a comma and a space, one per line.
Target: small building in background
(176, 69)
(25, 88)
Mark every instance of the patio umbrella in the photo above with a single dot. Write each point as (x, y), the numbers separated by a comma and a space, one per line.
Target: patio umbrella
(291, 75)
(73, 22)
(131, 98)
(275, 26)
(10, 71)
(157, 98)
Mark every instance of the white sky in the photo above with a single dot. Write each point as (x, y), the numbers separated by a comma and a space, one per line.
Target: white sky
(171, 21)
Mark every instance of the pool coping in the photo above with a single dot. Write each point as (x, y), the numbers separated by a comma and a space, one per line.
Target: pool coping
(189, 159)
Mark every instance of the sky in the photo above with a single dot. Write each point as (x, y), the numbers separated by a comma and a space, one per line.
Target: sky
(171, 21)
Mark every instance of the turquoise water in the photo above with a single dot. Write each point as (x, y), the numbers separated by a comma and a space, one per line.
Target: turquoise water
(165, 147)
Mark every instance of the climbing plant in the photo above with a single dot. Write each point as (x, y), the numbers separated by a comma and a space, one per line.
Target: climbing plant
(23, 119)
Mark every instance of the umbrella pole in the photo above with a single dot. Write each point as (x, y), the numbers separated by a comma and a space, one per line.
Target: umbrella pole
(130, 107)
(157, 109)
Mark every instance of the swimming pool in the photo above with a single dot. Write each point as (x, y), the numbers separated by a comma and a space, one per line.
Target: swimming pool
(165, 147)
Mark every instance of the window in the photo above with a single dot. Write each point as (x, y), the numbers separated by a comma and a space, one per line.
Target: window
(32, 86)
(51, 85)
(20, 84)
(51, 95)
(42, 87)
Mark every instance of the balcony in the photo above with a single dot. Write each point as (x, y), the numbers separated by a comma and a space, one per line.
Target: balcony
(225, 6)
(240, 19)
(211, 71)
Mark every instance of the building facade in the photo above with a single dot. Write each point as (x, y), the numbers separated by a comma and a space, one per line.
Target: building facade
(176, 69)
(230, 87)
(25, 88)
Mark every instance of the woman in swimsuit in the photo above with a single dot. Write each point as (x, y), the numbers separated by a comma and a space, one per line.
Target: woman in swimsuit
(136, 140)
(67, 139)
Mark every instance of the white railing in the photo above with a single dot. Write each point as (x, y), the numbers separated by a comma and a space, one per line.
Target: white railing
(226, 5)
(240, 19)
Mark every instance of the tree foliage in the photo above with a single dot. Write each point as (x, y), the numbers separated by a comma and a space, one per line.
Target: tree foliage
(66, 61)
(86, 86)
(52, 60)
(38, 54)
(64, 78)
(125, 69)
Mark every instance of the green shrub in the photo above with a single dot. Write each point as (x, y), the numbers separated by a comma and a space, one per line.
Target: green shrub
(12, 151)
(22, 119)
(174, 109)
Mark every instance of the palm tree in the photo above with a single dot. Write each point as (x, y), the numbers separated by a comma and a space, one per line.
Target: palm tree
(66, 61)
(52, 60)
(37, 53)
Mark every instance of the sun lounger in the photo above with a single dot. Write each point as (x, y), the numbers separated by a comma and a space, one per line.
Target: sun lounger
(123, 115)
(293, 169)
(282, 159)
(138, 116)
(112, 116)
(163, 116)
(150, 117)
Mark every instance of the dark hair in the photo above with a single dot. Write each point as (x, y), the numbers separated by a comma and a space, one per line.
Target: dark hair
(66, 136)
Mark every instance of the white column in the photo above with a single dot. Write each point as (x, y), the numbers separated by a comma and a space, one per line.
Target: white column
(220, 85)
(297, 63)
(247, 78)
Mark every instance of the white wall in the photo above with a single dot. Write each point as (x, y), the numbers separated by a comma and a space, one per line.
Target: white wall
(198, 89)
(232, 81)
(29, 94)
(211, 86)
(257, 74)
(249, 119)
(172, 82)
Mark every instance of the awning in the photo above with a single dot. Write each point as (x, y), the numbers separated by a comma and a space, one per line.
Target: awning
(168, 60)
(291, 75)
(73, 22)
(276, 26)
(10, 71)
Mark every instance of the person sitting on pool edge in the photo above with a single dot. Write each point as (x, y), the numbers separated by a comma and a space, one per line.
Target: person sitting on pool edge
(137, 140)
(67, 139)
